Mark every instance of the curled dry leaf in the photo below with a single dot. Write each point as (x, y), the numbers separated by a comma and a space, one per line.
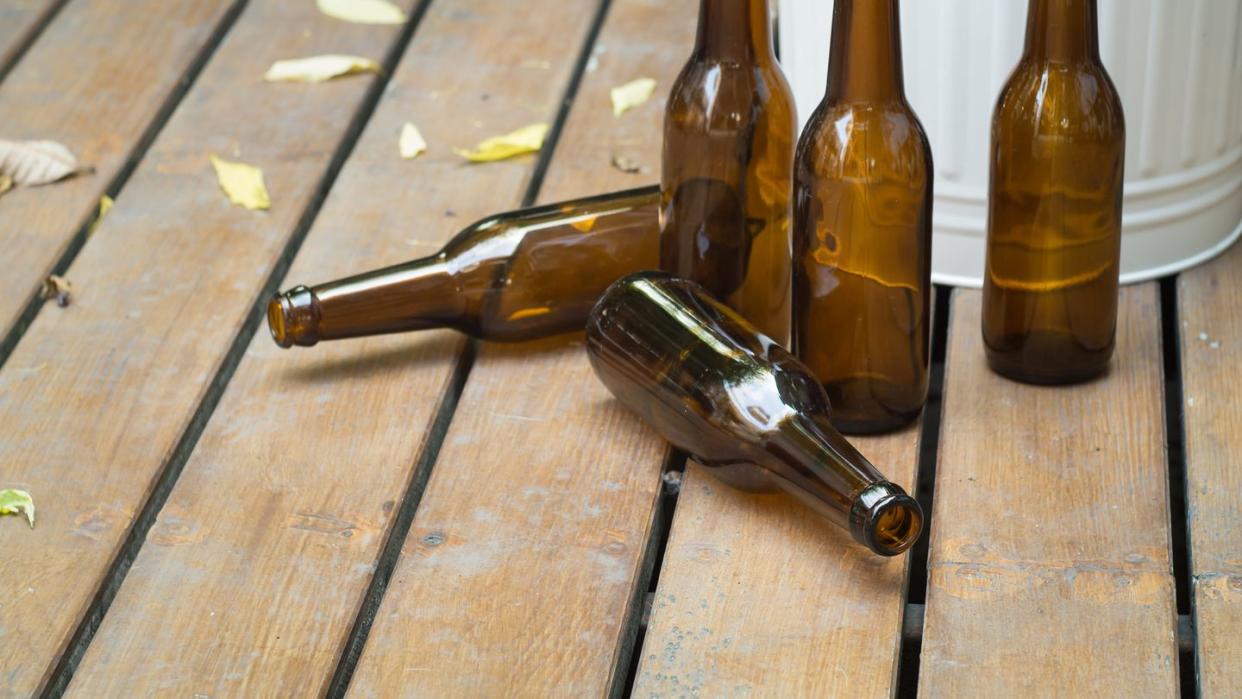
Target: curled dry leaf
(625, 164)
(105, 205)
(57, 287)
(527, 139)
(317, 69)
(242, 183)
(6, 183)
(37, 162)
(363, 11)
(635, 92)
(13, 501)
(412, 142)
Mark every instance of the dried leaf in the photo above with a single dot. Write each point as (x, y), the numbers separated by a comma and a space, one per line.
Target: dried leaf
(625, 164)
(105, 205)
(242, 183)
(13, 502)
(527, 139)
(57, 287)
(363, 11)
(6, 183)
(635, 92)
(412, 142)
(317, 69)
(37, 162)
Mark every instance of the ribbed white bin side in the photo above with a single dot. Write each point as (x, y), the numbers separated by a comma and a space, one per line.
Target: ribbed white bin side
(1177, 64)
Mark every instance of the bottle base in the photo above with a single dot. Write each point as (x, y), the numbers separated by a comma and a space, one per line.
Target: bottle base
(868, 405)
(1048, 359)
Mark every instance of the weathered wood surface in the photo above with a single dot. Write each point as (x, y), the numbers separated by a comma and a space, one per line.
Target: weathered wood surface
(1049, 570)
(95, 397)
(94, 80)
(758, 595)
(518, 574)
(316, 446)
(1211, 337)
(19, 21)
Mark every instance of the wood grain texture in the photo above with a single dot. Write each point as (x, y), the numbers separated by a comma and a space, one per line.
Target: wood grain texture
(94, 81)
(1211, 341)
(95, 397)
(758, 595)
(518, 571)
(19, 19)
(1049, 570)
(316, 446)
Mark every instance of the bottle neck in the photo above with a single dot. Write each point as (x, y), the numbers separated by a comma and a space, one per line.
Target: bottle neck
(865, 60)
(417, 295)
(734, 29)
(1062, 31)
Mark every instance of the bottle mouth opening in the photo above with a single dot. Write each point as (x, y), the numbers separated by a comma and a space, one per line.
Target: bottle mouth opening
(886, 520)
(293, 318)
(276, 321)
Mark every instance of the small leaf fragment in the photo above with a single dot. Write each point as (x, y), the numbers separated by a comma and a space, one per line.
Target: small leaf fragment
(242, 183)
(6, 183)
(635, 92)
(56, 287)
(412, 142)
(363, 11)
(37, 162)
(528, 139)
(105, 205)
(625, 164)
(13, 502)
(317, 69)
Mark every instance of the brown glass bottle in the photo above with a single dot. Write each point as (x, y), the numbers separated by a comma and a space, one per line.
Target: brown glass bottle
(740, 404)
(515, 276)
(1054, 204)
(728, 158)
(862, 229)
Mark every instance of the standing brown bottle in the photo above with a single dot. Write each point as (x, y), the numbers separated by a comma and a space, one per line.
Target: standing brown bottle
(740, 404)
(862, 229)
(519, 275)
(1054, 207)
(728, 160)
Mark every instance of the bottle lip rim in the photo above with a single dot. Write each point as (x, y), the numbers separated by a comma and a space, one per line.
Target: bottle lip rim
(871, 505)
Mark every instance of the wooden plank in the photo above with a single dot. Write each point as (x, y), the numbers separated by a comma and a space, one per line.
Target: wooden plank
(759, 595)
(1211, 345)
(518, 572)
(95, 397)
(94, 80)
(316, 446)
(19, 21)
(1049, 570)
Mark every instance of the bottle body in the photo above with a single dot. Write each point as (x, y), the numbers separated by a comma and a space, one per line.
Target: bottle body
(727, 165)
(516, 276)
(862, 230)
(1054, 205)
(713, 385)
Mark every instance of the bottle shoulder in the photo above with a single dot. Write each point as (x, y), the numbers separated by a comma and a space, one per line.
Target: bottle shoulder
(1060, 98)
(713, 91)
(838, 134)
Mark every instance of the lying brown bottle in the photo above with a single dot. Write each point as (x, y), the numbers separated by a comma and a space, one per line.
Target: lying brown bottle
(728, 162)
(862, 230)
(515, 276)
(1054, 206)
(741, 405)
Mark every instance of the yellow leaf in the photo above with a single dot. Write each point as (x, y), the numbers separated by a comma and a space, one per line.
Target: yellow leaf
(527, 139)
(635, 92)
(14, 502)
(105, 205)
(56, 287)
(412, 142)
(363, 11)
(317, 69)
(242, 183)
(37, 162)
(6, 183)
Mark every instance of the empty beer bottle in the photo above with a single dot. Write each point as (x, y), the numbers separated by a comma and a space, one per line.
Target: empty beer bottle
(1054, 204)
(515, 276)
(741, 405)
(728, 158)
(862, 229)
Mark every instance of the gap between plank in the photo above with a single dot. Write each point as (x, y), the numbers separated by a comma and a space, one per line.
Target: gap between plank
(929, 445)
(35, 302)
(36, 30)
(1179, 521)
(61, 674)
(390, 551)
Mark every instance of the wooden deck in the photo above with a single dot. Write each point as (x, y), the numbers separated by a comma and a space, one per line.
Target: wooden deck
(425, 515)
